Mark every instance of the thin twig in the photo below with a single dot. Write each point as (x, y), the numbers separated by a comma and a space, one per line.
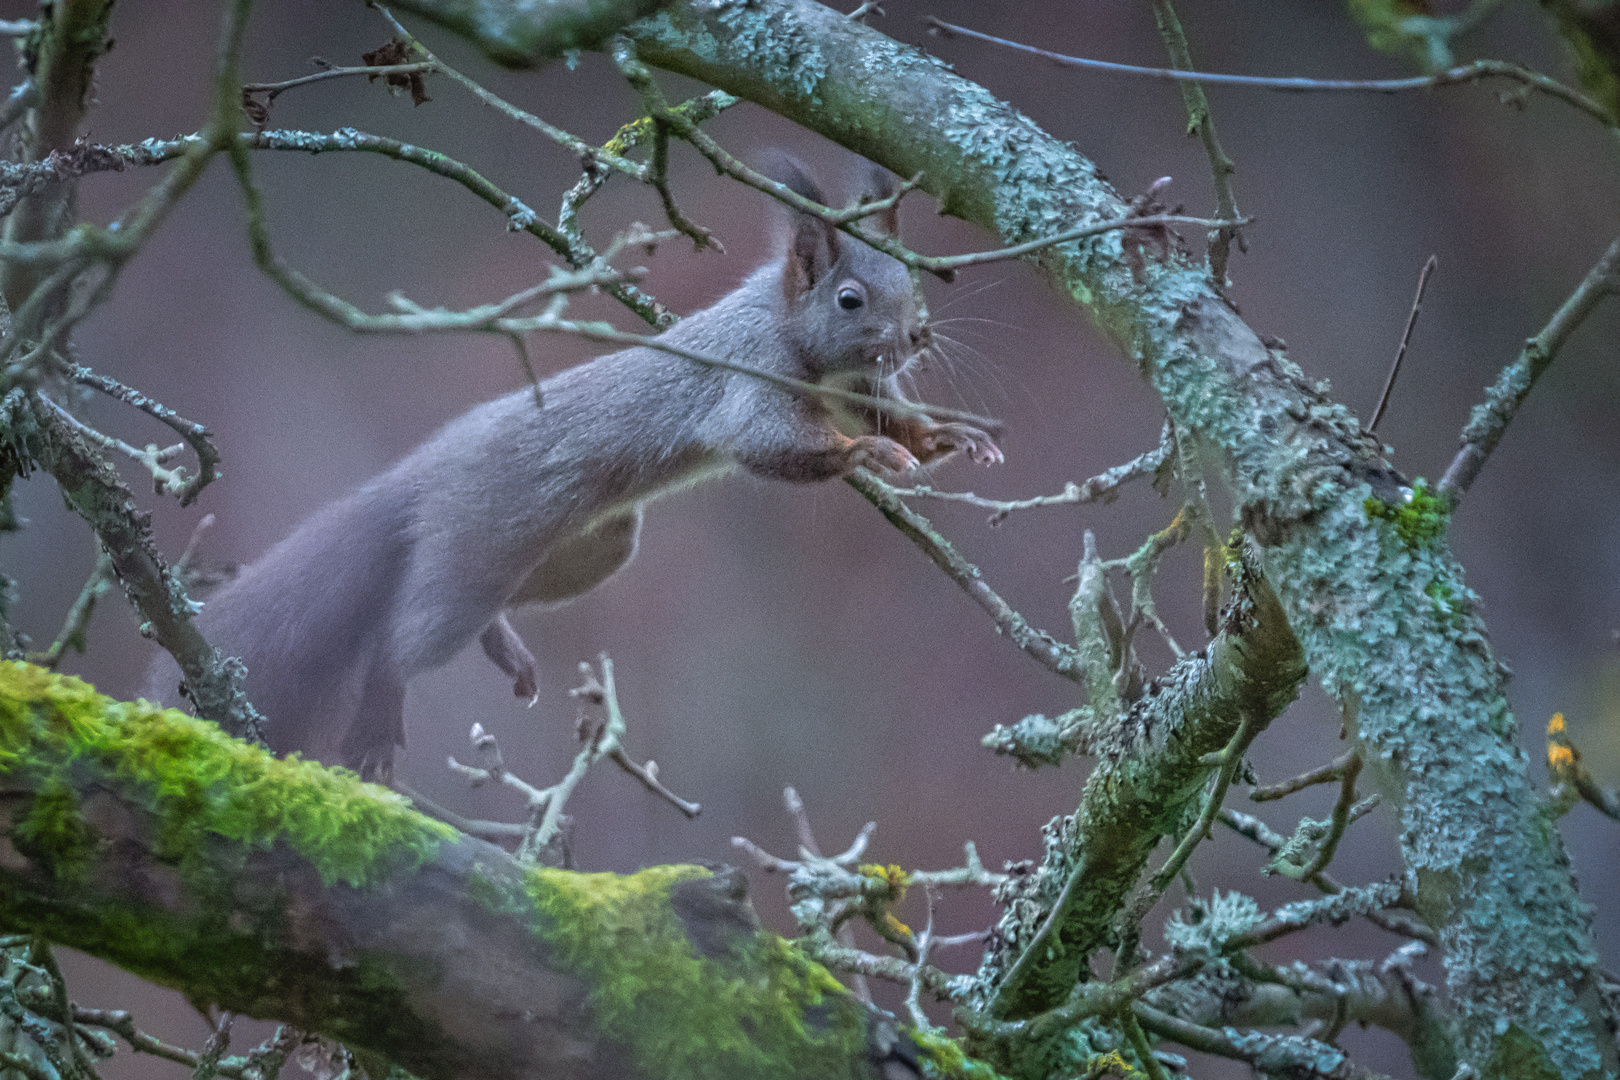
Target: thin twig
(1200, 120)
(1103, 487)
(1466, 73)
(194, 433)
(271, 90)
(1406, 339)
(1326, 774)
(1046, 649)
(1491, 418)
(1230, 760)
(576, 146)
(1345, 810)
(1396, 922)
(78, 617)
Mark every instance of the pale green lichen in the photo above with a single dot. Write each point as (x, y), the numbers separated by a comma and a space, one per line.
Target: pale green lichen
(755, 1007)
(197, 780)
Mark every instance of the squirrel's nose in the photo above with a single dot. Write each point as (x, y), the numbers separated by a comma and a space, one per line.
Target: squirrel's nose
(920, 336)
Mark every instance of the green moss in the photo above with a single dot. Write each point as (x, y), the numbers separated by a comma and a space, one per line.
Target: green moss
(686, 1016)
(1420, 521)
(198, 781)
(943, 1058)
(54, 831)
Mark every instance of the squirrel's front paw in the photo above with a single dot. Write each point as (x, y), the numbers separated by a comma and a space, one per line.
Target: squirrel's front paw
(978, 445)
(882, 452)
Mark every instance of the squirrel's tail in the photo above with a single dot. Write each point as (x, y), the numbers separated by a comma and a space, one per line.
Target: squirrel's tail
(309, 619)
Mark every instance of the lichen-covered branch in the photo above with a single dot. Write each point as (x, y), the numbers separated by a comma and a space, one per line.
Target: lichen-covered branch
(1489, 420)
(73, 34)
(1149, 766)
(530, 33)
(282, 889)
(36, 434)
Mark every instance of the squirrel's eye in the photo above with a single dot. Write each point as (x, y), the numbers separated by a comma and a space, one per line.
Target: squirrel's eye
(849, 299)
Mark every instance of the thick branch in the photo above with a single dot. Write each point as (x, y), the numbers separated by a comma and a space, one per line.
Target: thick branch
(527, 34)
(281, 889)
(1148, 767)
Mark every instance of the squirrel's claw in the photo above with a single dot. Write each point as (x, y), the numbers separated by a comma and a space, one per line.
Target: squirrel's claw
(978, 445)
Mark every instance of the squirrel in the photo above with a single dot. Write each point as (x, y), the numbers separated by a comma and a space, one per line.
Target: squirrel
(519, 502)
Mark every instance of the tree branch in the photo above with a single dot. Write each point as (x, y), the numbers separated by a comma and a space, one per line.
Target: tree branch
(529, 34)
(1148, 768)
(1490, 419)
(1466, 73)
(92, 487)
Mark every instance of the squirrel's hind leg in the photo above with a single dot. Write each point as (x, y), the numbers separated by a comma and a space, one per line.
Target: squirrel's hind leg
(503, 646)
(378, 724)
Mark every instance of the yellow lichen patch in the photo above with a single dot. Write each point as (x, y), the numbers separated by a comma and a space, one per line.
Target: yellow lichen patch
(1555, 726)
(197, 780)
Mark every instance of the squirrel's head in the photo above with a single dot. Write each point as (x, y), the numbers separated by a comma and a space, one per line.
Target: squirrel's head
(851, 309)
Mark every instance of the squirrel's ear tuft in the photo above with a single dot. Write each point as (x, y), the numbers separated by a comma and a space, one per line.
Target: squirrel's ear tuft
(812, 244)
(880, 184)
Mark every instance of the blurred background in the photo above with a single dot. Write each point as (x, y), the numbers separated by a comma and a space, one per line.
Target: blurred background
(769, 635)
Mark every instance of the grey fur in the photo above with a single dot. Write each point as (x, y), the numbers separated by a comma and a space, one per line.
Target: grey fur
(515, 503)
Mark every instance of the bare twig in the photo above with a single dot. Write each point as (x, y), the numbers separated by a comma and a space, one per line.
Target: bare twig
(1327, 774)
(1199, 120)
(603, 740)
(1491, 418)
(1466, 73)
(1103, 487)
(1406, 339)
(944, 267)
(78, 617)
(122, 1024)
(575, 145)
(194, 433)
(1345, 810)
(1396, 922)
(1046, 649)
(375, 71)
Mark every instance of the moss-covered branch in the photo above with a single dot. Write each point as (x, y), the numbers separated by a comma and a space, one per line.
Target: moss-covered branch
(286, 890)
(1385, 620)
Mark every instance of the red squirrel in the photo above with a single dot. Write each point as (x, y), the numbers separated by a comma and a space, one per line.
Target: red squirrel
(520, 503)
